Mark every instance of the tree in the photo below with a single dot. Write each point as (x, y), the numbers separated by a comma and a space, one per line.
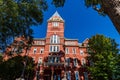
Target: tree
(108, 7)
(13, 67)
(117, 74)
(103, 57)
(17, 16)
(1, 58)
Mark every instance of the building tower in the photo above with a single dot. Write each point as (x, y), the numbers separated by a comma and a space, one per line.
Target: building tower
(55, 33)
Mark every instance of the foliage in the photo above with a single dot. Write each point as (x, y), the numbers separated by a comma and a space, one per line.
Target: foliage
(16, 17)
(117, 74)
(1, 58)
(58, 3)
(106, 7)
(96, 5)
(103, 57)
(13, 67)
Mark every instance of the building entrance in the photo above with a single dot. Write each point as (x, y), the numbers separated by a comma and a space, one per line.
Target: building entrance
(49, 74)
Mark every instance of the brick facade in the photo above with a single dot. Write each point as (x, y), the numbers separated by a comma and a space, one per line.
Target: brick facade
(57, 57)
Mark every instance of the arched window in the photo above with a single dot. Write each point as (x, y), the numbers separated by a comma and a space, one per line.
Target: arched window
(54, 39)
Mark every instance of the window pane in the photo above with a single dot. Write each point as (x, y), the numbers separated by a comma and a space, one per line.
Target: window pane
(55, 24)
(68, 76)
(54, 39)
(34, 50)
(54, 48)
(76, 75)
(81, 52)
(74, 50)
(41, 51)
(75, 62)
(86, 75)
(50, 48)
(66, 50)
(83, 61)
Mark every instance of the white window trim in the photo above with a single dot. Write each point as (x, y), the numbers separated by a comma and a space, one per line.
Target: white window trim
(55, 24)
(40, 60)
(81, 52)
(52, 47)
(42, 49)
(75, 61)
(54, 39)
(67, 50)
(35, 49)
(69, 73)
(83, 61)
(74, 50)
(67, 63)
(78, 75)
(33, 58)
(86, 75)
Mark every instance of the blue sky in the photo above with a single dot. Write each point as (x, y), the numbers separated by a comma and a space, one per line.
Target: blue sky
(80, 22)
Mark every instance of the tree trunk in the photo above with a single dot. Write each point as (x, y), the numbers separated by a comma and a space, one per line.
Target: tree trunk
(112, 9)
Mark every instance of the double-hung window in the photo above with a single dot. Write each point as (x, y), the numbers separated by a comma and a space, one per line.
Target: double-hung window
(51, 59)
(74, 50)
(54, 48)
(83, 62)
(75, 62)
(68, 75)
(77, 75)
(86, 75)
(54, 39)
(42, 51)
(56, 59)
(66, 50)
(34, 50)
(55, 24)
(39, 61)
(67, 61)
(81, 52)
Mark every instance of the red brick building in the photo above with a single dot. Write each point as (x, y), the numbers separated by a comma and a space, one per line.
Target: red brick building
(57, 57)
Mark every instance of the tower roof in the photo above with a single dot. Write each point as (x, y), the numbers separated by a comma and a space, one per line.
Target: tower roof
(56, 17)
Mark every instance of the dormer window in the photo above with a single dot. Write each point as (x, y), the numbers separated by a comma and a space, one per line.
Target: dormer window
(55, 24)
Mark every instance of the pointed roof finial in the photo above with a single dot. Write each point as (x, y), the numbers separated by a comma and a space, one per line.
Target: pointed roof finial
(56, 17)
